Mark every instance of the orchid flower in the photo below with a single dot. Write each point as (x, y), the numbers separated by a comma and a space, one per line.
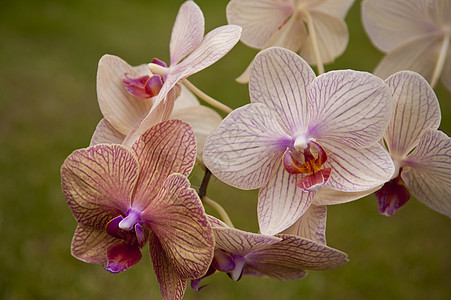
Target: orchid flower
(283, 257)
(134, 99)
(421, 153)
(301, 133)
(414, 34)
(123, 197)
(316, 28)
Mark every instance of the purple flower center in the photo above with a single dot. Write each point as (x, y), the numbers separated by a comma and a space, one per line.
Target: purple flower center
(392, 196)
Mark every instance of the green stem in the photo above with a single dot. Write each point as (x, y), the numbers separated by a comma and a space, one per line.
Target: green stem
(441, 60)
(312, 32)
(213, 102)
(221, 211)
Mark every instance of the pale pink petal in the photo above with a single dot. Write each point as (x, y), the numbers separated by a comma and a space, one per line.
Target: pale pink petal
(292, 35)
(98, 183)
(355, 170)
(168, 147)
(245, 148)
(185, 99)
(428, 171)
(416, 109)
(338, 8)
(281, 203)
(349, 107)
(90, 245)
(178, 220)
(118, 106)
(188, 31)
(279, 78)
(260, 19)
(419, 55)
(311, 225)
(390, 24)
(105, 133)
(328, 196)
(172, 285)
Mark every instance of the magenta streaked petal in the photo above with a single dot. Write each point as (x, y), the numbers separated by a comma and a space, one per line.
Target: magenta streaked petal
(136, 86)
(311, 225)
(122, 257)
(427, 173)
(416, 109)
(98, 183)
(314, 182)
(245, 148)
(105, 133)
(281, 203)
(349, 107)
(168, 147)
(279, 79)
(391, 197)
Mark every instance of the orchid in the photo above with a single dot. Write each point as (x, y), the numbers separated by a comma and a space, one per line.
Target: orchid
(124, 197)
(301, 133)
(414, 34)
(316, 28)
(421, 153)
(283, 257)
(134, 99)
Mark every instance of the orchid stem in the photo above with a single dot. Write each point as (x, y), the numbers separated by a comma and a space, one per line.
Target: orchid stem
(316, 53)
(213, 102)
(441, 60)
(221, 211)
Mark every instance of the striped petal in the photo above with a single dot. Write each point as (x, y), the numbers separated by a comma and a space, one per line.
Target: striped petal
(349, 107)
(168, 147)
(311, 225)
(98, 183)
(428, 171)
(416, 109)
(281, 203)
(356, 170)
(105, 133)
(279, 78)
(178, 220)
(245, 148)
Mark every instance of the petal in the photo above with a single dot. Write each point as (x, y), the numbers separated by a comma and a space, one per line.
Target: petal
(186, 99)
(168, 147)
(105, 133)
(260, 19)
(390, 24)
(178, 220)
(428, 171)
(279, 78)
(416, 109)
(274, 270)
(172, 285)
(122, 257)
(90, 245)
(243, 150)
(281, 203)
(391, 197)
(355, 170)
(118, 106)
(338, 8)
(349, 107)
(292, 35)
(188, 31)
(98, 183)
(311, 225)
(328, 196)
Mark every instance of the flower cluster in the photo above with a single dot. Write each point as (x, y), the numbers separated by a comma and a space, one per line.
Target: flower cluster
(304, 141)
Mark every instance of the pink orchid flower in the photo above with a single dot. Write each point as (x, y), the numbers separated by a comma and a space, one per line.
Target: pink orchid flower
(301, 133)
(421, 153)
(316, 28)
(134, 99)
(124, 197)
(414, 34)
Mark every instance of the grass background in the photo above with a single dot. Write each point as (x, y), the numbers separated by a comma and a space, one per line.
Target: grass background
(48, 59)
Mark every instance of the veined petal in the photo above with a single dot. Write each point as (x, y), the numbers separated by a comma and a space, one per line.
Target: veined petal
(172, 285)
(105, 133)
(328, 196)
(168, 147)
(90, 244)
(349, 107)
(356, 170)
(185, 99)
(188, 31)
(245, 148)
(98, 183)
(338, 8)
(118, 106)
(178, 220)
(428, 171)
(260, 19)
(390, 24)
(281, 203)
(416, 109)
(311, 225)
(274, 270)
(279, 79)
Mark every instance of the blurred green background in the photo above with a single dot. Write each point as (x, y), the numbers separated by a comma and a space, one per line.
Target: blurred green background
(48, 60)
